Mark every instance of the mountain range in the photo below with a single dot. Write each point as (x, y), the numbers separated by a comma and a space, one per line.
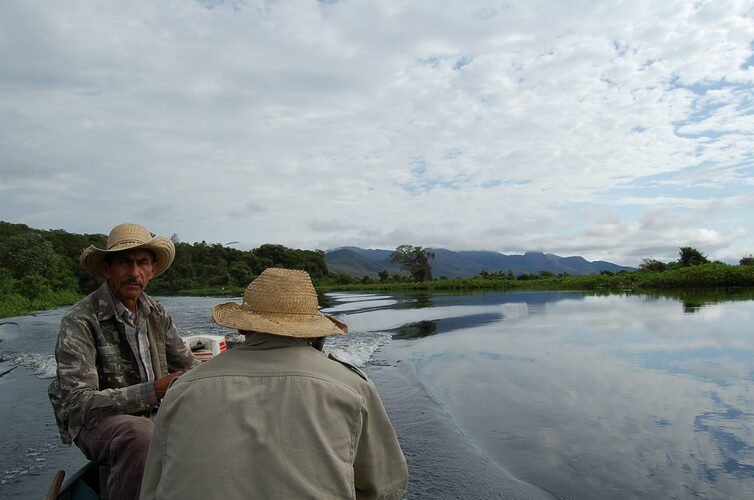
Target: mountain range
(355, 261)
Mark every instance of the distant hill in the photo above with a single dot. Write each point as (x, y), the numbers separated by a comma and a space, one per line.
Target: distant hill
(355, 261)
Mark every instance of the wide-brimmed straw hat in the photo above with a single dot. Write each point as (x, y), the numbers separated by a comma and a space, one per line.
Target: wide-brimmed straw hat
(130, 237)
(279, 302)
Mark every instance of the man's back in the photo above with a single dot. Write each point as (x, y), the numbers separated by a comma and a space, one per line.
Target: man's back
(274, 418)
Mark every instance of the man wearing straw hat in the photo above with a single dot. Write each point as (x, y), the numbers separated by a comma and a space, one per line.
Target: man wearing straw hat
(117, 353)
(274, 417)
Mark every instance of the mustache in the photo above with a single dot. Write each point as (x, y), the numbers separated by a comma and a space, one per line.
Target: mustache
(132, 281)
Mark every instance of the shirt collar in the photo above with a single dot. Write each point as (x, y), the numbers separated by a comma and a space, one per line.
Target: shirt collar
(123, 312)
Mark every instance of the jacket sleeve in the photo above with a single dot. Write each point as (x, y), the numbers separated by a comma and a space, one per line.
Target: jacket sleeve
(82, 402)
(153, 467)
(380, 470)
(177, 353)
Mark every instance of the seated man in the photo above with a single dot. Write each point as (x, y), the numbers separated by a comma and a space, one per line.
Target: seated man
(117, 353)
(274, 417)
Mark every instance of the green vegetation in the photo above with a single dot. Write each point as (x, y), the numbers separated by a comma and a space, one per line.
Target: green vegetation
(692, 270)
(701, 276)
(36, 271)
(40, 269)
(214, 269)
(414, 260)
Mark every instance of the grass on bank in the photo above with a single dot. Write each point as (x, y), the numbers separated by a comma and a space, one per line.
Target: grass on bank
(701, 276)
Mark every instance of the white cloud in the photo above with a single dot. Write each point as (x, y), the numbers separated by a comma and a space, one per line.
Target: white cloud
(461, 125)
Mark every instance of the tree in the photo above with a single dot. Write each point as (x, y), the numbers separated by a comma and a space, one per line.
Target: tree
(28, 253)
(414, 260)
(689, 256)
(240, 274)
(747, 260)
(384, 275)
(650, 264)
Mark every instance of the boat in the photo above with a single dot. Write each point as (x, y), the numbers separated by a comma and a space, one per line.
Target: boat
(206, 347)
(85, 483)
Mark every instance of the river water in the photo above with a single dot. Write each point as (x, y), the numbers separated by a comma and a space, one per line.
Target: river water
(494, 395)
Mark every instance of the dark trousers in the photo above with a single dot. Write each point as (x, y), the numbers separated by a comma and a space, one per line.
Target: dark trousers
(122, 443)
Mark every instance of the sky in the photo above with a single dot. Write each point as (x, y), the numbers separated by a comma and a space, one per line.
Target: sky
(613, 130)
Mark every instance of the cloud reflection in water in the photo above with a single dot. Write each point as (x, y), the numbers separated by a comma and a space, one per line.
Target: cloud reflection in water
(597, 396)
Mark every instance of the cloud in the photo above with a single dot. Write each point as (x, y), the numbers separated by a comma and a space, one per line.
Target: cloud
(318, 124)
(248, 209)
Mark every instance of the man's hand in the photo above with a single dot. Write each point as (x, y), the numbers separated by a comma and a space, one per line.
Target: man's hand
(162, 384)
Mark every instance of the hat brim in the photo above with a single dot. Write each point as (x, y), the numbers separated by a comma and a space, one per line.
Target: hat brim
(233, 315)
(162, 247)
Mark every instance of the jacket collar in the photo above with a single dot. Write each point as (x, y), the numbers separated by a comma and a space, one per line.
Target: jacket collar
(263, 341)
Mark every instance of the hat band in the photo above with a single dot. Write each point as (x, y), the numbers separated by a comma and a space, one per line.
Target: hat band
(127, 242)
(279, 313)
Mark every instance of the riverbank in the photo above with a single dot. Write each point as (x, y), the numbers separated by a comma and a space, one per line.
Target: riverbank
(17, 305)
(693, 277)
(704, 276)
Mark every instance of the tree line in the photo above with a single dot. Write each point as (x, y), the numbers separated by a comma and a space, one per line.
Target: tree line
(687, 256)
(212, 266)
(40, 269)
(692, 269)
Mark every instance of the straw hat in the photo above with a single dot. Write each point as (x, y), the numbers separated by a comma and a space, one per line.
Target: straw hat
(279, 302)
(129, 237)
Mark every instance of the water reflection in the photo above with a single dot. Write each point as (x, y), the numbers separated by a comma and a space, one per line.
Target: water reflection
(450, 311)
(416, 330)
(694, 299)
(692, 307)
(593, 396)
(427, 328)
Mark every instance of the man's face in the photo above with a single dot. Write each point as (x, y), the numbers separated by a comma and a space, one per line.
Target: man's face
(128, 273)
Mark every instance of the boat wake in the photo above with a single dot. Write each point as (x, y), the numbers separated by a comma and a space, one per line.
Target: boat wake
(357, 348)
(41, 365)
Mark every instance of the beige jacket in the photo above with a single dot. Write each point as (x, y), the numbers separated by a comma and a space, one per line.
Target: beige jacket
(273, 418)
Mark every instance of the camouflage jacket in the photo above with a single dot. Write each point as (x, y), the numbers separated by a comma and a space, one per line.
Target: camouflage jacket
(97, 373)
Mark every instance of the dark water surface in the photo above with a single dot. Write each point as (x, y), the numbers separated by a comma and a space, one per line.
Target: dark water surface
(496, 395)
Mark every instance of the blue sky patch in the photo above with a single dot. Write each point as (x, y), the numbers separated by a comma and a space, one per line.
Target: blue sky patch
(453, 153)
(621, 48)
(432, 62)
(680, 184)
(463, 61)
(750, 61)
(426, 185)
(493, 183)
(422, 184)
(703, 110)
